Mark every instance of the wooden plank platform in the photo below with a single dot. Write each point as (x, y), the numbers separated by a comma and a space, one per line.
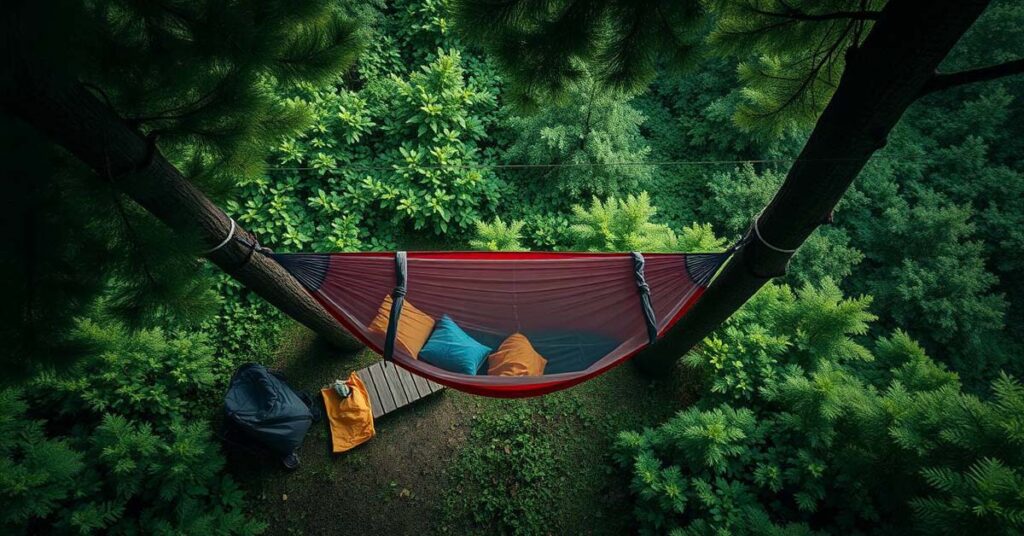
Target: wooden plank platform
(391, 388)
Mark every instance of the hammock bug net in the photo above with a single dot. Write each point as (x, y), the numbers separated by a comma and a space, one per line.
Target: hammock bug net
(583, 313)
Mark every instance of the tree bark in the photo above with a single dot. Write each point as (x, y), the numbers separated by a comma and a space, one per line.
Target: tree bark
(73, 118)
(881, 80)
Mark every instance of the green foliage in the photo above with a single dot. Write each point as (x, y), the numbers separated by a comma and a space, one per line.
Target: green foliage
(119, 440)
(77, 238)
(928, 273)
(791, 53)
(503, 479)
(401, 155)
(914, 252)
(144, 374)
(36, 473)
(614, 225)
(128, 448)
(590, 145)
(625, 225)
(498, 236)
(792, 435)
(792, 57)
(809, 426)
(985, 495)
(246, 329)
(221, 111)
(738, 196)
(778, 332)
(547, 231)
(423, 26)
(548, 50)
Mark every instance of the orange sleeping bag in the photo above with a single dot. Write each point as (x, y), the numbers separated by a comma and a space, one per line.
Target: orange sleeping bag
(350, 418)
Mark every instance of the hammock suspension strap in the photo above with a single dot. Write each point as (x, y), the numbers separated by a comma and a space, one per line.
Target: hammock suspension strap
(765, 242)
(397, 299)
(231, 234)
(645, 296)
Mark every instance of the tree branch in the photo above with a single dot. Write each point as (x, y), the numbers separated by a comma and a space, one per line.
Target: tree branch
(945, 81)
(795, 14)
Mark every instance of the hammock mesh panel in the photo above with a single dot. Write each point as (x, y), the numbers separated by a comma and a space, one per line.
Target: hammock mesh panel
(583, 312)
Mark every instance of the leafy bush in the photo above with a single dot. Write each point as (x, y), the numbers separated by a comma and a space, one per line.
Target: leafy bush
(128, 448)
(592, 135)
(402, 154)
(625, 225)
(498, 236)
(246, 329)
(504, 477)
(612, 225)
(780, 331)
(36, 473)
(145, 374)
(807, 431)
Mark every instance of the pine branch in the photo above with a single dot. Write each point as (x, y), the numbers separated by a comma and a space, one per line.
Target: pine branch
(941, 81)
(796, 14)
(816, 68)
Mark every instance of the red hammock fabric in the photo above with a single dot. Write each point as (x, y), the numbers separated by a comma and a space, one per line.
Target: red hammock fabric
(581, 311)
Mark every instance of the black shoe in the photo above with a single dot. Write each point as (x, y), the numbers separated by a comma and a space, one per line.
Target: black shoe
(291, 461)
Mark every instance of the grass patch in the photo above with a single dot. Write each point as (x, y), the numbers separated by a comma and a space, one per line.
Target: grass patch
(543, 465)
(505, 476)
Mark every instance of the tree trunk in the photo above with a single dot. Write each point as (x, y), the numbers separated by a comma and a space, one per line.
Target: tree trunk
(76, 120)
(882, 78)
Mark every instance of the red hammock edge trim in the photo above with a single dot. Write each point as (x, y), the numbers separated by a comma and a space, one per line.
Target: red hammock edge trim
(515, 255)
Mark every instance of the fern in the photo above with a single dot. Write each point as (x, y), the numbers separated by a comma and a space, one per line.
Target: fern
(498, 236)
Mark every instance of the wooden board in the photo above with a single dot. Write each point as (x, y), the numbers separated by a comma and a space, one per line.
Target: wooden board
(408, 384)
(386, 398)
(375, 404)
(421, 385)
(395, 385)
(391, 387)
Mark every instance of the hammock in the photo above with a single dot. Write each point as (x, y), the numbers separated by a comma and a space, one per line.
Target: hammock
(584, 313)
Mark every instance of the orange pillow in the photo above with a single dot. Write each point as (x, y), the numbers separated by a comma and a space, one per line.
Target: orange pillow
(414, 326)
(516, 357)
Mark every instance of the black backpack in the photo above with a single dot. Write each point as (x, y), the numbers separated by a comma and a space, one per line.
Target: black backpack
(261, 407)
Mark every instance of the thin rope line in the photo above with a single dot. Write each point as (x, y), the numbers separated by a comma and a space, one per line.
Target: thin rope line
(393, 167)
(231, 234)
(765, 242)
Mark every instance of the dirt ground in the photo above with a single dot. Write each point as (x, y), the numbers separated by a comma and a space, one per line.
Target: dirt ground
(394, 484)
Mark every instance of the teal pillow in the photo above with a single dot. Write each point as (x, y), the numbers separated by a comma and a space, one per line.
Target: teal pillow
(452, 349)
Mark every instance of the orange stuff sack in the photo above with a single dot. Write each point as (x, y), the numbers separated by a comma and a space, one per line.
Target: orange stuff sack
(516, 357)
(350, 418)
(414, 326)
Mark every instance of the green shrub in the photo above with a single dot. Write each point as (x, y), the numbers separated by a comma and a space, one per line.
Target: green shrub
(36, 473)
(612, 225)
(402, 154)
(498, 236)
(145, 374)
(547, 232)
(808, 431)
(625, 225)
(503, 480)
(246, 329)
(589, 142)
(128, 448)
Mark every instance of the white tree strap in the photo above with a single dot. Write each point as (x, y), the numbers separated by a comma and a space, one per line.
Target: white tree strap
(231, 234)
(765, 242)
